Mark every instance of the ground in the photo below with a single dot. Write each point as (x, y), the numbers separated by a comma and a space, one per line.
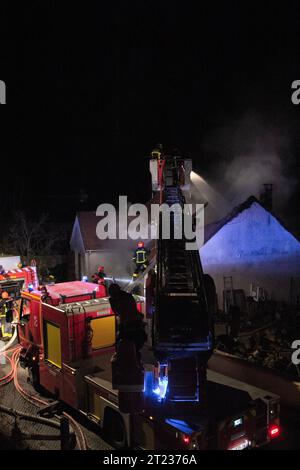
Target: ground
(11, 398)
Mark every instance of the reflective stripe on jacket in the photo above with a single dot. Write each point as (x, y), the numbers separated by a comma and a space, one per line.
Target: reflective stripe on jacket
(141, 256)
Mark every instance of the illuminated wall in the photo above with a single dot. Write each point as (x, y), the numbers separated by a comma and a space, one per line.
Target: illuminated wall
(253, 248)
(114, 255)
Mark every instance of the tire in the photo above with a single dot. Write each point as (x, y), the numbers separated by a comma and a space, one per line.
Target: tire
(114, 429)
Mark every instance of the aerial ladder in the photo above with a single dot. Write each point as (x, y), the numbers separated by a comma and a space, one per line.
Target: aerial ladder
(177, 308)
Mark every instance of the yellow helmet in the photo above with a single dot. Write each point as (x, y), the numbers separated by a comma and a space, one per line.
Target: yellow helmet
(156, 153)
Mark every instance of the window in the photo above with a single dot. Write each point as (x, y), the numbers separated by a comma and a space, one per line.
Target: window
(104, 332)
(52, 343)
(24, 309)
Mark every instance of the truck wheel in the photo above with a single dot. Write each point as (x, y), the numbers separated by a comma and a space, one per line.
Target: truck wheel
(114, 429)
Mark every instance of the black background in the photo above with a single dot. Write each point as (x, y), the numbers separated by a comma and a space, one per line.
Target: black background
(91, 87)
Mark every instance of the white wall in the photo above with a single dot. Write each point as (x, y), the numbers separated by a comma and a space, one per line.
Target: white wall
(253, 248)
(117, 264)
(9, 262)
(269, 276)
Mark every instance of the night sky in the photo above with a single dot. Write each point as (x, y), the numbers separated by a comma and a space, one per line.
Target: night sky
(91, 89)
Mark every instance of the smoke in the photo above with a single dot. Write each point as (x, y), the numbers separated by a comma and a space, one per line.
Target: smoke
(204, 192)
(251, 152)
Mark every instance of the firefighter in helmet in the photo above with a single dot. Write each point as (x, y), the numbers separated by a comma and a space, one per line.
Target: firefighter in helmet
(6, 315)
(140, 258)
(157, 152)
(99, 276)
(22, 264)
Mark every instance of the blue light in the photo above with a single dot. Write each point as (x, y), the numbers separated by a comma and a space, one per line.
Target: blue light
(182, 426)
(148, 383)
(84, 279)
(30, 287)
(162, 387)
(153, 389)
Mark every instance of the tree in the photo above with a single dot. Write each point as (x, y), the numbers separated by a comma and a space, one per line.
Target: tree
(31, 239)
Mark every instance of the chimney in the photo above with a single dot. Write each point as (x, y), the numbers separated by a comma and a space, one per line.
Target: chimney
(266, 196)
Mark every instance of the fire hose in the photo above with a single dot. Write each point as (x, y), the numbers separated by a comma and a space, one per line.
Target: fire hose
(10, 342)
(13, 375)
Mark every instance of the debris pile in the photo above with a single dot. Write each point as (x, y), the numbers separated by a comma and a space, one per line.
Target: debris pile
(267, 346)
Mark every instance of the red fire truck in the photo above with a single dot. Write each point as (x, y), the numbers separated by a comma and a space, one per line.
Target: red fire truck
(13, 281)
(64, 358)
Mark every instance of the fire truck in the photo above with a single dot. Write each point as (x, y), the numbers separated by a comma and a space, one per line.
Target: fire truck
(168, 399)
(13, 281)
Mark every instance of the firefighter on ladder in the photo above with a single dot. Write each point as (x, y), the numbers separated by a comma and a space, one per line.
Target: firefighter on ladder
(140, 258)
(157, 152)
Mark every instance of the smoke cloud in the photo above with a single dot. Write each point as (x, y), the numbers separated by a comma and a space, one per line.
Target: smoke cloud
(251, 152)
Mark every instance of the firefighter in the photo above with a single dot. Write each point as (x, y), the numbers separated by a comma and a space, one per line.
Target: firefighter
(6, 314)
(4, 298)
(47, 277)
(99, 276)
(50, 279)
(130, 326)
(22, 264)
(157, 152)
(140, 258)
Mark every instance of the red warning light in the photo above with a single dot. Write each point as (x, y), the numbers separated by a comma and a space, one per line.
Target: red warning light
(274, 430)
(186, 439)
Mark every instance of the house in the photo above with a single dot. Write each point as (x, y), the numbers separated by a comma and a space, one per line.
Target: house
(253, 246)
(91, 252)
(250, 245)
